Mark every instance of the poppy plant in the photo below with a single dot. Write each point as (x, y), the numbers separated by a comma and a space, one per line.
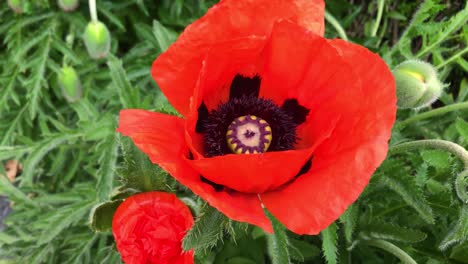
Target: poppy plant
(149, 227)
(271, 110)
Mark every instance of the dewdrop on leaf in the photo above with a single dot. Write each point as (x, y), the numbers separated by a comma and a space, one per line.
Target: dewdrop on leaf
(70, 84)
(417, 84)
(97, 39)
(68, 5)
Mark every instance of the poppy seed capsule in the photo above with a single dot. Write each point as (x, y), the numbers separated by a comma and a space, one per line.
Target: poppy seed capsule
(417, 84)
(249, 135)
(70, 84)
(97, 39)
(68, 5)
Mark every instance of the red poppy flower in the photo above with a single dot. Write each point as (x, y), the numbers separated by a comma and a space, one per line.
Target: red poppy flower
(269, 108)
(149, 227)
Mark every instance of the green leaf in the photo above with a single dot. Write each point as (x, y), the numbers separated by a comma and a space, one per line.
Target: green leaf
(461, 186)
(302, 250)
(436, 158)
(138, 172)
(407, 188)
(101, 215)
(330, 243)
(163, 36)
(349, 219)
(386, 231)
(38, 77)
(459, 233)
(129, 96)
(106, 172)
(462, 128)
(63, 219)
(6, 187)
(278, 245)
(207, 230)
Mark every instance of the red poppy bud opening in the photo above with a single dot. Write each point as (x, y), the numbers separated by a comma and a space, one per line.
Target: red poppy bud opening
(149, 227)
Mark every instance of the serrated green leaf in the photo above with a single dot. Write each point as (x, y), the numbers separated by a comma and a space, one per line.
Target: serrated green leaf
(108, 163)
(163, 36)
(349, 219)
(63, 219)
(278, 245)
(386, 231)
(408, 190)
(139, 173)
(330, 243)
(459, 232)
(207, 230)
(129, 96)
(436, 158)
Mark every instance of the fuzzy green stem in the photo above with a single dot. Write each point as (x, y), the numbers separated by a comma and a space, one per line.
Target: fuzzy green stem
(454, 57)
(339, 29)
(435, 112)
(444, 145)
(391, 248)
(380, 7)
(93, 10)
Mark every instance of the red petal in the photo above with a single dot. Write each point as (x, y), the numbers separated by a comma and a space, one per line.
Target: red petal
(257, 173)
(161, 137)
(222, 63)
(146, 222)
(176, 70)
(333, 79)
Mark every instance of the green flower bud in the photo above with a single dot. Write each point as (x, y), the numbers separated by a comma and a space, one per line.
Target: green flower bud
(417, 84)
(68, 5)
(97, 40)
(17, 6)
(70, 84)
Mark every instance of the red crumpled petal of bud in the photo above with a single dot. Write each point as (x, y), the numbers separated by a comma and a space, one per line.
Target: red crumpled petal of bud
(149, 228)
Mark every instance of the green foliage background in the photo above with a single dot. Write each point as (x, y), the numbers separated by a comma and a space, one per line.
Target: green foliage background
(73, 160)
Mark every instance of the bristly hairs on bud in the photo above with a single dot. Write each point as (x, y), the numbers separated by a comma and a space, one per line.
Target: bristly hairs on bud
(417, 84)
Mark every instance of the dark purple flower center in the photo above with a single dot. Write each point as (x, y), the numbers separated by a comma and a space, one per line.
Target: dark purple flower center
(244, 102)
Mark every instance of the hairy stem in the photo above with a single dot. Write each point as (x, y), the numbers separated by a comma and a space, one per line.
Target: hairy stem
(444, 145)
(391, 248)
(380, 7)
(454, 57)
(435, 112)
(93, 11)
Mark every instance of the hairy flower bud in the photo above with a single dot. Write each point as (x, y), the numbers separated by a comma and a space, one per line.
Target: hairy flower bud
(70, 84)
(17, 6)
(417, 84)
(68, 5)
(97, 39)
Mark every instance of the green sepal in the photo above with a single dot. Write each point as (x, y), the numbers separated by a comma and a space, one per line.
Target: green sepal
(101, 215)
